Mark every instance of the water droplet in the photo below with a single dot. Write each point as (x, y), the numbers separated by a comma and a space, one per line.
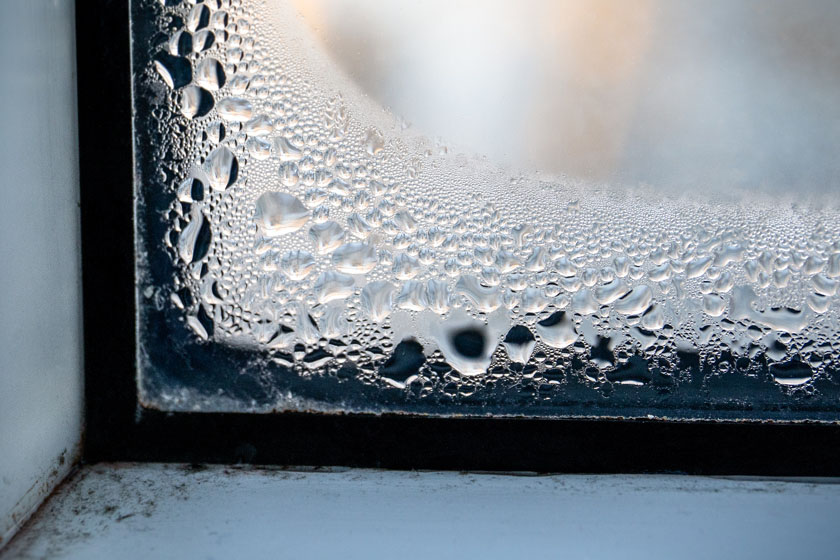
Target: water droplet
(467, 345)
(210, 74)
(818, 303)
(278, 213)
(377, 299)
(405, 221)
(239, 84)
(289, 174)
(355, 258)
(519, 344)
(297, 264)
(191, 190)
(195, 102)
(286, 150)
(332, 285)
(221, 168)
(326, 236)
(405, 267)
(258, 148)
(198, 17)
(584, 303)
(175, 71)
(713, 305)
(181, 44)
(634, 302)
(791, 373)
(374, 141)
(358, 226)
(654, 318)
(203, 40)
(437, 296)
(824, 285)
(557, 331)
(533, 300)
(333, 324)
(260, 125)
(412, 296)
(197, 327)
(611, 291)
(195, 238)
(234, 109)
(483, 298)
(741, 304)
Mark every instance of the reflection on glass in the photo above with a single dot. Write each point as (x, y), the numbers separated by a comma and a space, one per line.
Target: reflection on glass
(600, 209)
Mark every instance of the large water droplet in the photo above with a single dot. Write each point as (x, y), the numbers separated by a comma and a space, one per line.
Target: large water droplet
(533, 300)
(791, 373)
(519, 344)
(636, 301)
(221, 168)
(355, 258)
(234, 109)
(697, 267)
(468, 346)
(175, 71)
(741, 304)
(405, 267)
(358, 226)
(713, 305)
(405, 361)
(203, 40)
(327, 237)
(198, 17)
(210, 74)
(289, 174)
(374, 141)
(191, 190)
(260, 125)
(377, 300)
(332, 285)
(412, 296)
(557, 331)
(195, 238)
(286, 150)
(278, 213)
(485, 299)
(297, 264)
(181, 44)
(195, 102)
(258, 148)
(437, 296)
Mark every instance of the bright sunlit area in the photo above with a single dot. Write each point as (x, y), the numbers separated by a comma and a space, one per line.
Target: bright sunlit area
(671, 93)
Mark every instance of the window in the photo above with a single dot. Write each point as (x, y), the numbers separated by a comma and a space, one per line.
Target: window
(299, 248)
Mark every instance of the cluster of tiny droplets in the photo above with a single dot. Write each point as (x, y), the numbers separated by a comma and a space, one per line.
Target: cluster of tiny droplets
(301, 229)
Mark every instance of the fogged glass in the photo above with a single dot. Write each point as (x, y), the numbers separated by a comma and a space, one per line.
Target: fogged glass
(539, 208)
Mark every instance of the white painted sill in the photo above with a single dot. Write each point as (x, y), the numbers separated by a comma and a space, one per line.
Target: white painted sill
(144, 511)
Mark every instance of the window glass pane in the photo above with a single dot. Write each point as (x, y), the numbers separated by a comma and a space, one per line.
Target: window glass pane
(545, 209)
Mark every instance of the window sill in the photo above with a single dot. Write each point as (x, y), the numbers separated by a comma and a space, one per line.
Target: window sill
(134, 510)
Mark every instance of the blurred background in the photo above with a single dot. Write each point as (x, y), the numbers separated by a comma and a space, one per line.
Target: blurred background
(715, 94)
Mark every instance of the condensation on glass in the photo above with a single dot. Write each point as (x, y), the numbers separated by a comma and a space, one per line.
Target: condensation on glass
(301, 246)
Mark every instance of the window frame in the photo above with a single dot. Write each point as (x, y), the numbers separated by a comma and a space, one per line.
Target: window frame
(119, 429)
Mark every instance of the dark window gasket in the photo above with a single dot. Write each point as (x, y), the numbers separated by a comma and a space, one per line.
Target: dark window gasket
(117, 429)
